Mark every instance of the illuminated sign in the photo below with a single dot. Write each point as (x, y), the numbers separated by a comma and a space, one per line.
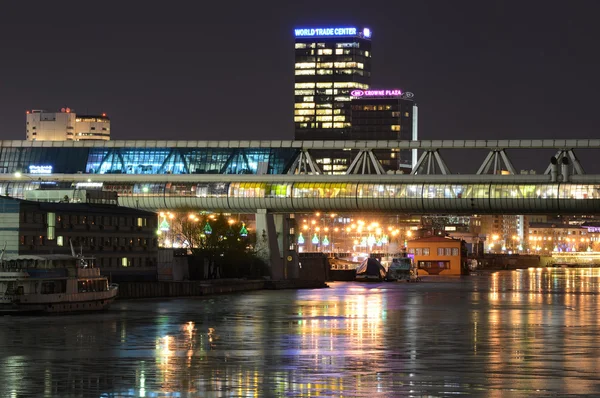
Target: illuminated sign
(325, 32)
(89, 185)
(376, 93)
(45, 169)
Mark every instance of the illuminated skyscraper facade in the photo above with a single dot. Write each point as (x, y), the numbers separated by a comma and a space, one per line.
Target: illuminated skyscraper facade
(329, 64)
(386, 115)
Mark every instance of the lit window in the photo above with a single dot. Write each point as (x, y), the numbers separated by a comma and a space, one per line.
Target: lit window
(339, 51)
(304, 105)
(302, 118)
(304, 112)
(305, 72)
(59, 241)
(304, 85)
(395, 127)
(323, 111)
(301, 45)
(322, 72)
(323, 118)
(304, 92)
(324, 85)
(327, 125)
(305, 65)
(124, 262)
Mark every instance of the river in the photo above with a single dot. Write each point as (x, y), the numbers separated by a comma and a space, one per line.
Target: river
(509, 333)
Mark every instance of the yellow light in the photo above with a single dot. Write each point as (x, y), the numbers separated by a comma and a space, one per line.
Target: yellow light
(305, 227)
(409, 233)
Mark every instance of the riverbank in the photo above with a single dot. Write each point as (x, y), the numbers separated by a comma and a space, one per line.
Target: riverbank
(133, 290)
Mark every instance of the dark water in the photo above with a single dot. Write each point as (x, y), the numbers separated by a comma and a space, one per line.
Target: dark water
(522, 333)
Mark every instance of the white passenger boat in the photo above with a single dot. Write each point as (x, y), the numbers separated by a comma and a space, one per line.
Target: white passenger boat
(52, 283)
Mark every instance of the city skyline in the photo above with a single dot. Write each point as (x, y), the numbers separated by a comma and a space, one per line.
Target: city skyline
(479, 71)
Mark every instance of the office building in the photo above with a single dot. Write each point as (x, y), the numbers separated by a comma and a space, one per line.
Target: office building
(66, 125)
(386, 115)
(122, 240)
(329, 64)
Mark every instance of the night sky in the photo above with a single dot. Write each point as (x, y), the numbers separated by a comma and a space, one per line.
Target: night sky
(224, 70)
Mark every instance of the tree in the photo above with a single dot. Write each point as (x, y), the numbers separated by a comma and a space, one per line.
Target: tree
(219, 243)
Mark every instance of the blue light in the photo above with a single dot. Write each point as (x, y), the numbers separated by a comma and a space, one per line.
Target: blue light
(324, 32)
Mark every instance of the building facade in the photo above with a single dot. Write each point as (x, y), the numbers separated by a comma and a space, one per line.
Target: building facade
(386, 115)
(505, 232)
(122, 240)
(66, 125)
(548, 237)
(329, 64)
(438, 255)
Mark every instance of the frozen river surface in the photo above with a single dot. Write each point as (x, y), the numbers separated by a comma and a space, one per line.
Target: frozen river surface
(521, 333)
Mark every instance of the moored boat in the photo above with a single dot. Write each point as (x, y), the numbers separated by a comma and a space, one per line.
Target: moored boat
(370, 270)
(53, 283)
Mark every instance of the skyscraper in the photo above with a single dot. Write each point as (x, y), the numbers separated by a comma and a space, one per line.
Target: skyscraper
(386, 115)
(330, 63)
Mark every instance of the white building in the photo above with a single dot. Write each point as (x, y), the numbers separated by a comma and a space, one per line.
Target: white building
(66, 125)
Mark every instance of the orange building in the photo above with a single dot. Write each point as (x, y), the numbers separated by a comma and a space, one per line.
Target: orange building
(437, 255)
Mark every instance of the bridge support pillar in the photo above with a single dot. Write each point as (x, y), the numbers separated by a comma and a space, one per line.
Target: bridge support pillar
(276, 244)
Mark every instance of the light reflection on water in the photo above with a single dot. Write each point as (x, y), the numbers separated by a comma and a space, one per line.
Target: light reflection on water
(513, 332)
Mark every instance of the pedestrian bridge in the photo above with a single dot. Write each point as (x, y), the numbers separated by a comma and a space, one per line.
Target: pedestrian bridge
(284, 176)
(517, 194)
